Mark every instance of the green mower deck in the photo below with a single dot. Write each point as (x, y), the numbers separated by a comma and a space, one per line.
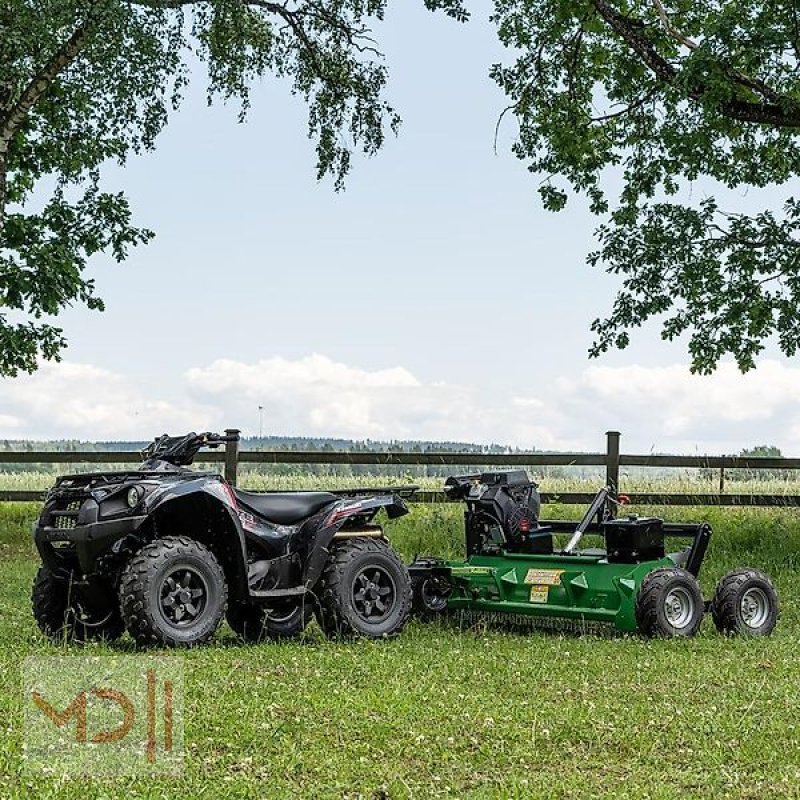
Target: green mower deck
(570, 587)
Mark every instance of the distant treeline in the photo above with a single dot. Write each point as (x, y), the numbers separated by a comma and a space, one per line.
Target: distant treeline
(319, 443)
(275, 443)
(302, 443)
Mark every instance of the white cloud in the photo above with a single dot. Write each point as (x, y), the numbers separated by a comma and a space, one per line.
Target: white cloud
(69, 400)
(7, 422)
(315, 395)
(661, 408)
(668, 408)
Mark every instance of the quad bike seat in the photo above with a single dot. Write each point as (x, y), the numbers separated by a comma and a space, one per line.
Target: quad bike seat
(285, 509)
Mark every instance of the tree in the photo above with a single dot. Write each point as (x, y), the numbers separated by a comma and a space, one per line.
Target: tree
(85, 82)
(761, 451)
(667, 94)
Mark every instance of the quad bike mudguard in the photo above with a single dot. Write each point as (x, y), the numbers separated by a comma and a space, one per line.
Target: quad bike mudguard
(83, 521)
(354, 514)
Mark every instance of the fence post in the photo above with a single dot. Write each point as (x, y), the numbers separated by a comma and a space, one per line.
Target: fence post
(232, 455)
(722, 478)
(612, 460)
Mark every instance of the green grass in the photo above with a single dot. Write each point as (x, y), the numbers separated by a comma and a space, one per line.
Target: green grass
(472, 711)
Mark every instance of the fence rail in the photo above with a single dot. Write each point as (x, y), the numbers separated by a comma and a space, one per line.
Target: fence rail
(232, 456)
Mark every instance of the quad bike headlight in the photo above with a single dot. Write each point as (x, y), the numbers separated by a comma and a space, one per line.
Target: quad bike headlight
(134, 495)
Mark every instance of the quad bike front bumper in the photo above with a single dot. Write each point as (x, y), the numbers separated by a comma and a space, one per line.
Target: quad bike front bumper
(81, 544)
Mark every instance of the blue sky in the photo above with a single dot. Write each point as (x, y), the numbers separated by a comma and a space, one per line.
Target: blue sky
(434, 297)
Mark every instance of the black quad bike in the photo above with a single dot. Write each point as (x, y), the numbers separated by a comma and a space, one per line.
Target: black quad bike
(166, 552)
(518, 564)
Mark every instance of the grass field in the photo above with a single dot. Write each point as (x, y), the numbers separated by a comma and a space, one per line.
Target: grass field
(463, 711)
(562, 479)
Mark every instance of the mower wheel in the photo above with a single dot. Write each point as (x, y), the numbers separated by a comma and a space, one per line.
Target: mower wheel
(669, 604)
(61, 613)
(429, 595)
(173, 593)
(255, 623)
(365, 590)
(745, 603)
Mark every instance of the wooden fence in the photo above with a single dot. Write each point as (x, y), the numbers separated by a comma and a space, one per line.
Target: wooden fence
(232, 456)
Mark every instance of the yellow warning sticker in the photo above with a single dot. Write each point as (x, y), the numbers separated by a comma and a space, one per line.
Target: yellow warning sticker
(539, 594)
(544, 577)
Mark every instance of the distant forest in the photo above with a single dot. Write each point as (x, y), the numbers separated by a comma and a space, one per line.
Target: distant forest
(275, 443)
(302, 443)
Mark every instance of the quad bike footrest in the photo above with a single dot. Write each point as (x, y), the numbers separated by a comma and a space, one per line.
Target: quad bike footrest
(278, 594)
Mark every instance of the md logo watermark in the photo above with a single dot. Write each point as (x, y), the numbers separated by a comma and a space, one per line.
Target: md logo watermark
(109, 715)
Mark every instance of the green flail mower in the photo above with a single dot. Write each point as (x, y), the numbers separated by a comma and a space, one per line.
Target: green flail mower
(515, 566)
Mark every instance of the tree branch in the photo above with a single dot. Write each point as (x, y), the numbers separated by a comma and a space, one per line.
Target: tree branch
(292, 17)
(632, 107)
(782, 112)
(352, 35)
(670, 28)
(293, 21)
(795, 31)
(39, 85)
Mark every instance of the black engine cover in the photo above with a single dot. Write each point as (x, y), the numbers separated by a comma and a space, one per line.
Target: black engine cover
(630, 540)
(507, 503)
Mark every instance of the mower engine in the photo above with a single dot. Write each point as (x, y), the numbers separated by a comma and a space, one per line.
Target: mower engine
(502, 512)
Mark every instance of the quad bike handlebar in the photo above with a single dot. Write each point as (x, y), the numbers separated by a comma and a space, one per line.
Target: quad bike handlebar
(181, 450)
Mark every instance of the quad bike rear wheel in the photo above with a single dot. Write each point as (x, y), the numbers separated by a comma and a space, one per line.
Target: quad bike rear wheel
(745, 603)
(669, 604)
(61, 612)
(173, 593)
(365, 590)
(255, 623)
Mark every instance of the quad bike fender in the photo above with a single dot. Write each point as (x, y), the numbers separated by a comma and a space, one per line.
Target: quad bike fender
(350, 514)
(206, 510)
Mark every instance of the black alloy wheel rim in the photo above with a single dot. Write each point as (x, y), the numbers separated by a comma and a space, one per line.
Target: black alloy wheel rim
(184, 595)
(373, 593)
(432, 597)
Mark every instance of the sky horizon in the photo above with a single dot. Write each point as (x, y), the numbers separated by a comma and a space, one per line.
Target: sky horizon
(433, 299)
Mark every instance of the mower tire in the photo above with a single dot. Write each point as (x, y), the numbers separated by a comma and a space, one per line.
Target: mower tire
(669, 604)
(429, 596)
(745, 603)
(365, 590)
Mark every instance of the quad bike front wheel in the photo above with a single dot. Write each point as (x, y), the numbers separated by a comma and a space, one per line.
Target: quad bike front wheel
(745, 603)
(62, 613)
(255, 623)
(365, 590)
(669, 604)
(173, 593)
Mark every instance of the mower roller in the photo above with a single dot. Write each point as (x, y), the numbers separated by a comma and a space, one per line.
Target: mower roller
(634, 582)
